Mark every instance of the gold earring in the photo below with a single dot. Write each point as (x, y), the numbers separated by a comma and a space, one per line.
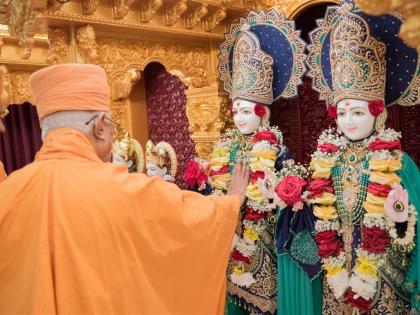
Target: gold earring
(380, 121)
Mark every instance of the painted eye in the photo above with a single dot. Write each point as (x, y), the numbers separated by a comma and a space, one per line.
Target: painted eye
(247, 112)
(359, 113)
(341, 114)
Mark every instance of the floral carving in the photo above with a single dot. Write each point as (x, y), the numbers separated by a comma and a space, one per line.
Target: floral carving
(213, 19)
(86, 44)
(186, 61)
(89, 6)
(58, 41)
(194, 17)
(148, 9)
(173, 12)
(19, 87)
(122, 84)
(121, 8)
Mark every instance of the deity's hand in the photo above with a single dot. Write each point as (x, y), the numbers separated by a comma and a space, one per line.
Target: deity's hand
(239, 180)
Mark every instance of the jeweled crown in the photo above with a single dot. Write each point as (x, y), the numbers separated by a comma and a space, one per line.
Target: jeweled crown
(124, 147)
(252, 77)
(358, 64)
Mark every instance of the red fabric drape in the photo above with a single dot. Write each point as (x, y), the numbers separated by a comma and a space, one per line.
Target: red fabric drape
(22, 138)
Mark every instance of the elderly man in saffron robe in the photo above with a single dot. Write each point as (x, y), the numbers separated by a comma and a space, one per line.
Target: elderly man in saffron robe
(82, 236)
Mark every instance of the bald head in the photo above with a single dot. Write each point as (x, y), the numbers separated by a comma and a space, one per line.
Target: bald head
(95, 125)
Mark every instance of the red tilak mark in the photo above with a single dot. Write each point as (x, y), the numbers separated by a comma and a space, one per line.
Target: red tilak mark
(347, 103)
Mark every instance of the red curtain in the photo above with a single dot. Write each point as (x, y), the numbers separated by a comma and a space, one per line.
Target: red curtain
(22, 139)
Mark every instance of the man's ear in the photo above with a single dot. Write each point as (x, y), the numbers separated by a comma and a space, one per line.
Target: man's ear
(98, 127)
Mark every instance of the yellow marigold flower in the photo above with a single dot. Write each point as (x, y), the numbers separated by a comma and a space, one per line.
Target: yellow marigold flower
(266, 154)
(220, 181)
(384, 178)
(325, 212)
(325, 199)
(331, 270)
(253, 192)
(251, 234)
(221, 152)
(261, 164)
(321, 167)
(367, 266)
(219, 161)
(377, 200)
(238, 270)
(373, 208)
(385, 166)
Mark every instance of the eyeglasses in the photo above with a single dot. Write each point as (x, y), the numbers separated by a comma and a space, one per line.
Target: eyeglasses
(116, 125)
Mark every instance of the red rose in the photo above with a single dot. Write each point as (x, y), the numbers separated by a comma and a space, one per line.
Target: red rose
(259, 110)
(265, 135)
(318, 186)
(290, 189)
(328, 244)
(252, 215)
(360, 303)
(193, 175)
(256, 175)
(380, 144)
(222, 171)
(239, 257)
(379, 190)
(374, 239)
(332, 112)
(376, 107)
(328, 147)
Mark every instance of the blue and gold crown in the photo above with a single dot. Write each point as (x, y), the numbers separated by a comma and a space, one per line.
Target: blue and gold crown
(252, 71)
(358, 56)
(262, 53)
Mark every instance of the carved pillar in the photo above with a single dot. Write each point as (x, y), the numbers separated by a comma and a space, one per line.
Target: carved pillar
(59, 49)
(203, 112)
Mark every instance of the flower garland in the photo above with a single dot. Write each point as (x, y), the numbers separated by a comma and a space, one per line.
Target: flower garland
(262, 148)
(383, 203)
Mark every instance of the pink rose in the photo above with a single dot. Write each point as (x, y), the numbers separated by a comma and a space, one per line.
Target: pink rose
(318, 186)
(290, 189)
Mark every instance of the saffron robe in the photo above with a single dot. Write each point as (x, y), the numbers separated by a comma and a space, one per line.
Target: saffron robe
(81, 236)
(2, 172)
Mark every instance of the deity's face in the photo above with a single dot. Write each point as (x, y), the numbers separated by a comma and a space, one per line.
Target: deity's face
(154, 170)
(118, 159)
(355, 119)
(244, 116)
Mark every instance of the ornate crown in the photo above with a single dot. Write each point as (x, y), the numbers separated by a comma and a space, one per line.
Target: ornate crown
(252, 78)
(156, 154)
(359, 56)
(358, 65)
